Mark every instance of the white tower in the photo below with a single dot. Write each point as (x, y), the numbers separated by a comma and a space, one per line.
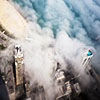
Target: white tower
(87, 58)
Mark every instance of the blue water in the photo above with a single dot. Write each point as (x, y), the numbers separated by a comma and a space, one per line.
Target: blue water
(80, 19)
(74, 16)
